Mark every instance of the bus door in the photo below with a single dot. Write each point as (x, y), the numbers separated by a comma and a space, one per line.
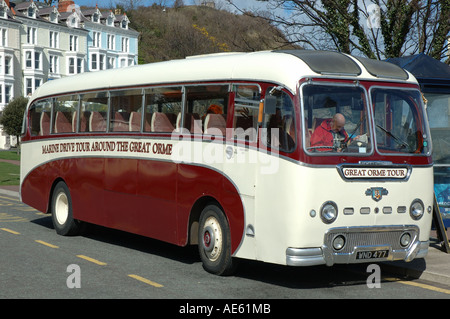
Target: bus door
(241, 152)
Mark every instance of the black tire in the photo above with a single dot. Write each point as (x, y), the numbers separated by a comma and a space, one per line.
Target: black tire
(215, 242)
(61, 209)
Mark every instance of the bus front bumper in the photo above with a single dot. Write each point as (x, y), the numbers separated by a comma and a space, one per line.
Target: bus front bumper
(326, 255)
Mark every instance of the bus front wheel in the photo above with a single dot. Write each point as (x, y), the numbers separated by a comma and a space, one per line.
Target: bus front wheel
(215, 242)
(62, 211)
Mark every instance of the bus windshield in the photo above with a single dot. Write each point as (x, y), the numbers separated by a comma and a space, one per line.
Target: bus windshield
(336, 119)
(398, 119)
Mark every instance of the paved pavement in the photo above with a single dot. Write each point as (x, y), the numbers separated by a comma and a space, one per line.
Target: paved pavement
(435, 267)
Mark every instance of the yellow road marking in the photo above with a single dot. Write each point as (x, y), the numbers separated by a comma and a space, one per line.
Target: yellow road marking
(95, 261)
(10, 231)
(152, 283)
(4, 217)
(417, 284)
(46, 244)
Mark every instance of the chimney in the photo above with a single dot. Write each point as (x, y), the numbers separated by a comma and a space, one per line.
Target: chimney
(66, 5)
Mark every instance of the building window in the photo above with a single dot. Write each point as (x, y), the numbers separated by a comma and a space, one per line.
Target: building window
(31, 12)
(96, 40)
(4, 37)
(73, 43)
(28, 60)
(31, 35)
(71, 65)
(102, 62)
(125, 44)
(111, 42)
(94, 61)
(111, 63)
(8, 92)
(8, 65)
(37, 60)
(54, 64)
(54, 39)
(79, 65)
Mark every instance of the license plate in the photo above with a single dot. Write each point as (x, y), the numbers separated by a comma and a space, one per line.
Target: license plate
(372, 254)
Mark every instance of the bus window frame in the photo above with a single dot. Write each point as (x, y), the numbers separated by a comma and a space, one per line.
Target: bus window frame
(367, 108)
(233, 136)
(423, 120)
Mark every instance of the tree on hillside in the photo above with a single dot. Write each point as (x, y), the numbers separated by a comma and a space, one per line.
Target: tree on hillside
(374, 28)
(12, 116)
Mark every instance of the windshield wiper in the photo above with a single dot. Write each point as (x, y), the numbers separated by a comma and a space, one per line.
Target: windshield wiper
(398, 140)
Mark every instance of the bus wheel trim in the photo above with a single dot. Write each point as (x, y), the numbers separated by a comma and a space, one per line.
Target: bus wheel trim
(212, 238)
(61, 208)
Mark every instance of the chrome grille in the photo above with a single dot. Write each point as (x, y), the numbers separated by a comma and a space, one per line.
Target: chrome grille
(357, 237)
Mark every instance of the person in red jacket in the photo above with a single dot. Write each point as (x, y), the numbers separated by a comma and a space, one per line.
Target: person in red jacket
(330, 133)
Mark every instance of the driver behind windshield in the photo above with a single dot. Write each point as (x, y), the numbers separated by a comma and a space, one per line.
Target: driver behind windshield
(331, 133)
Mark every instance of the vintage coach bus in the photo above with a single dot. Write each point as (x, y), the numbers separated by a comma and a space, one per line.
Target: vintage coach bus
(244, 154)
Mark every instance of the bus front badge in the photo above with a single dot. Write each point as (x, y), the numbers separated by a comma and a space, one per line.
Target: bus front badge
(376, 193)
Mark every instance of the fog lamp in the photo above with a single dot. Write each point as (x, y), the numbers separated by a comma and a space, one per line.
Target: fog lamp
(338, 242)
(328, 212)
(405, 239)
(416, 209)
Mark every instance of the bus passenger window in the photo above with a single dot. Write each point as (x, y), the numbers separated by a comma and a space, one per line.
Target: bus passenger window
(246, 109)
(94, 108)
(65, 114)
(280, 127)
(40, 117)
(206, 109)
(125, 110)
(162, 107)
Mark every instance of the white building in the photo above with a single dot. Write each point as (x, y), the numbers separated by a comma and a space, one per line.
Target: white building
(40, 43)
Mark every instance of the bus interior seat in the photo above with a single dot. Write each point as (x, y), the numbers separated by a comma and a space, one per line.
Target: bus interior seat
(192, 123)
(135, 122)
(120, 123)
(215, 124)
(62, 124)
(162, 123)
(83, 121)
(44, 124)
(97, 122)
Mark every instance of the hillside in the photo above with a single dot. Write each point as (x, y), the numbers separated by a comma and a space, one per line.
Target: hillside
(177, 33)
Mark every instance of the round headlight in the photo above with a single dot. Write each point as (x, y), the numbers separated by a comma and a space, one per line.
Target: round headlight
(328, 212)
(416, 209)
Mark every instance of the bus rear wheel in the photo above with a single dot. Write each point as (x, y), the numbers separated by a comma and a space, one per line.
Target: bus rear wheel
(61, 209)
(215, 242)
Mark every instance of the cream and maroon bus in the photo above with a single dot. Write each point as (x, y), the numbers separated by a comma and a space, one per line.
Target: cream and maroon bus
(217, 151)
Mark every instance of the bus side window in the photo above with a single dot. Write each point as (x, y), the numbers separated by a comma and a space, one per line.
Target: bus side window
(246, 108)
(161, 109)
(206, 109)
(64, 114)
(125, 110)
(94, 108)
(280, 126)
(40, 117)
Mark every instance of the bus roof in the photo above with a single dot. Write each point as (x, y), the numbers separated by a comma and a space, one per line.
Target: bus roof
(284, 67)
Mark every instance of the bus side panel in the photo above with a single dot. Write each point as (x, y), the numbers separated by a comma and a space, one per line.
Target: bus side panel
(35, 189)
(85, 182)
(155, 206)
(195, 182)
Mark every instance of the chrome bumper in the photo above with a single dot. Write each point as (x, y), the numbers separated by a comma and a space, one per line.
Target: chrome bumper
(360, 239)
